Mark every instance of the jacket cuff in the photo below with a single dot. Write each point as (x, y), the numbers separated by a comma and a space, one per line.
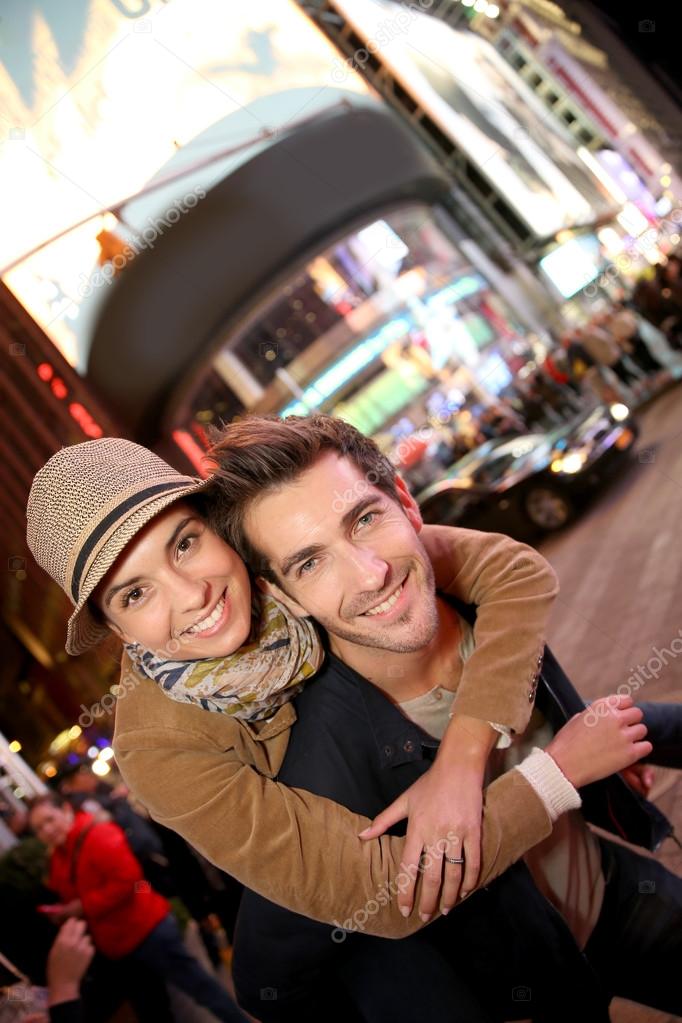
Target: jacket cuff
(550, 783)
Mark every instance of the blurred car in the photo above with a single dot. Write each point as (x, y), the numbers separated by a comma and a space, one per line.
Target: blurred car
(534, 482)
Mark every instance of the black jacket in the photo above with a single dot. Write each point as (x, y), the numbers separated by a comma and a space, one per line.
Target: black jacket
(504, 947)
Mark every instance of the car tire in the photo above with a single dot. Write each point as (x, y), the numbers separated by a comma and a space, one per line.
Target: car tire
(547, 508)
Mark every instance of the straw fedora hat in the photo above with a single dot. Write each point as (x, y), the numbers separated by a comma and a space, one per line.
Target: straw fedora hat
(85, 506)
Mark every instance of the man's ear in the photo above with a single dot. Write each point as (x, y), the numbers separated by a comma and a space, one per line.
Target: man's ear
(273, 590)
(408, 504)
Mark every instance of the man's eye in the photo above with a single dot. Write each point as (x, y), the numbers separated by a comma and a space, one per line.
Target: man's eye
(307, 566)
(366, 519)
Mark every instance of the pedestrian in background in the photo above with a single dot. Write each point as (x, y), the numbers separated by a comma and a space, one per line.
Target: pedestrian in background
(95, 874)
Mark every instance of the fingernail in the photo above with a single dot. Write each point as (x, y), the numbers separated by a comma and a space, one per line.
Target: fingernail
(425, 917)
(361, 834)
(444, 912)
(405, 910)
(463, 895)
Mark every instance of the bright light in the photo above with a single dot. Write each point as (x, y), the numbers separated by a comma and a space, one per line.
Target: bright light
(107, 753)
(674, 238)
(619, 412)
(100, 768)
(493, 11)
(468, 3)
(50, 771)
(481, 6)
(15, 746)
(93, 752)
(632, 219)
(570, 463)
(74, 731)
(666, 180)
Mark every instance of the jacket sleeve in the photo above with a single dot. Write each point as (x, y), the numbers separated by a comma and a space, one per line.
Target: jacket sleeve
(109, 855)
(513, 588)
(297, 849)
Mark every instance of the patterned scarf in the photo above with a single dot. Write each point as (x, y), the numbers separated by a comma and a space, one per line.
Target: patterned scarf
(281, 653)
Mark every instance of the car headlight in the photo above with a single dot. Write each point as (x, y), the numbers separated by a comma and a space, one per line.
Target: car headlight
(618, 411)
(570, 463)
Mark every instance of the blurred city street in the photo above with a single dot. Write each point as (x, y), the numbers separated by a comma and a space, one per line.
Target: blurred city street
(621, 592)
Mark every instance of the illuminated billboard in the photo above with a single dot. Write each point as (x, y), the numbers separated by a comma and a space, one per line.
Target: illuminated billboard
(98, 96)
(480, 103)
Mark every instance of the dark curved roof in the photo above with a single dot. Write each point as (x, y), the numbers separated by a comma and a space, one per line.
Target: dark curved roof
(166, 314)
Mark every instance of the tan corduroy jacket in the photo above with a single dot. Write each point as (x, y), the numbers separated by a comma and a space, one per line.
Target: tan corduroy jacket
(211, 778)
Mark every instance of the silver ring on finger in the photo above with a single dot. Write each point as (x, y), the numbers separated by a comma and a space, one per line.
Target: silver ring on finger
(454, 859)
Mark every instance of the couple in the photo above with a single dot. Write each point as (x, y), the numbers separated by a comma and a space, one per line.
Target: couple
(329, 531)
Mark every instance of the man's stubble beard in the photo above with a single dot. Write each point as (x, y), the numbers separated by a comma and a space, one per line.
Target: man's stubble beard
(425, 586)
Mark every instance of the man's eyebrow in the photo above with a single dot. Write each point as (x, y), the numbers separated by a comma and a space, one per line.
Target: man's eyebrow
(358, 508)
(110, 594)
(303, 554)
(312, 549)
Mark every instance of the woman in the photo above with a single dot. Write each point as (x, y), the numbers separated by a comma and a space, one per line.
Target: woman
(93, 871)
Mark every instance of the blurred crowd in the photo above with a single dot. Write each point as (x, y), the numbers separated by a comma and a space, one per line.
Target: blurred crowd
(96, 902)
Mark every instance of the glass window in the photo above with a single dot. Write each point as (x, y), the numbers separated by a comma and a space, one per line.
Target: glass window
(370, 329)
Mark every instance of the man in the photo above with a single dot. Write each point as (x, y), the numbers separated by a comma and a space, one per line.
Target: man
(300, 510)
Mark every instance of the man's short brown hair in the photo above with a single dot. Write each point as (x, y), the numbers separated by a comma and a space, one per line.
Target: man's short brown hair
(255, 454)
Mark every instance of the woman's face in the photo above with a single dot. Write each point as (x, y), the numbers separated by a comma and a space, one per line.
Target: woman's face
(178, 590)
(51, 824)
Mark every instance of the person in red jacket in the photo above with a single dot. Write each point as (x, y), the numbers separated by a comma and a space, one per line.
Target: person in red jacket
(96, 876)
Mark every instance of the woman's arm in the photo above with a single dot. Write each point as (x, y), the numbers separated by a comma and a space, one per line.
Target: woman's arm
(513, 588)
(297, 849)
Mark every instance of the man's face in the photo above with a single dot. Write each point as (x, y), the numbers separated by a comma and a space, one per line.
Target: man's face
(348, 554)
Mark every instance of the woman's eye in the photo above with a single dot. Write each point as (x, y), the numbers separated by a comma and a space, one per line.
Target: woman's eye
(132, 596)
(185, 543)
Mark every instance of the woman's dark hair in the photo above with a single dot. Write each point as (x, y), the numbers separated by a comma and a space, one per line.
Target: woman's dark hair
(55, 799)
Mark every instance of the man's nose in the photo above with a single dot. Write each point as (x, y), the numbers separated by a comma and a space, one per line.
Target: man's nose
(367, 568)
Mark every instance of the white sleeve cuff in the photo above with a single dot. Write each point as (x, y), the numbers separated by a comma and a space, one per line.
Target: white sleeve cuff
(550, 783)
(504, 741)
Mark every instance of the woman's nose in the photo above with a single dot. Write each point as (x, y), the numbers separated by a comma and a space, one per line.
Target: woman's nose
(192, 593)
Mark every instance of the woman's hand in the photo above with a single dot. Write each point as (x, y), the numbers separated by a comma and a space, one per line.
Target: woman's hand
(607, 737)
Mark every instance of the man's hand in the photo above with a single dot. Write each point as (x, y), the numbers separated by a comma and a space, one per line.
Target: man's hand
(607, 737)
(67, 961)
(444, 808)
